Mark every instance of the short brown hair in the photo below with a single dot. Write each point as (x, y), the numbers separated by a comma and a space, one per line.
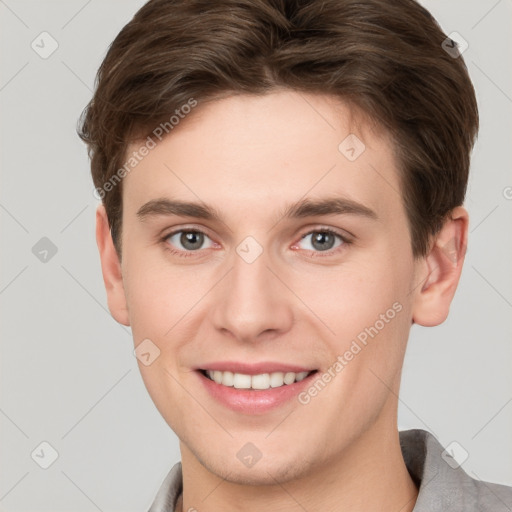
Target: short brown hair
(383, 57)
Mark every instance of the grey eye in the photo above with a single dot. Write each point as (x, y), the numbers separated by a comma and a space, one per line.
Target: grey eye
(321, 241)
(188, 240)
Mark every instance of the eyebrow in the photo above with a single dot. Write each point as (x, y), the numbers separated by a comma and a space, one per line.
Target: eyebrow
(328, 206)
(300, 209)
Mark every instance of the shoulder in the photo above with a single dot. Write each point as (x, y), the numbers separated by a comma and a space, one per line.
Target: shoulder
(443, 484)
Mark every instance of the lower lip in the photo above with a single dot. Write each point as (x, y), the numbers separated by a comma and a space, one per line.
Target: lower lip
(249, 401)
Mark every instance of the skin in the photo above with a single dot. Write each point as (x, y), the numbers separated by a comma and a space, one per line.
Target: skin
(249, 157)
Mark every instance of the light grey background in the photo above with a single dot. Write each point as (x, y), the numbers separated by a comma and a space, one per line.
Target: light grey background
(68, 374)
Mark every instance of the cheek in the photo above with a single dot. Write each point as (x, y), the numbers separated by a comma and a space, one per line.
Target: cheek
(351, 297)
(160, 296)
(161, 302)
(367, 310)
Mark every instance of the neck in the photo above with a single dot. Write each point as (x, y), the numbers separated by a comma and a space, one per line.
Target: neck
(370, 474)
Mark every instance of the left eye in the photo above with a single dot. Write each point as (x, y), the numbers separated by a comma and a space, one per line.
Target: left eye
(189, 240)
(321, 241)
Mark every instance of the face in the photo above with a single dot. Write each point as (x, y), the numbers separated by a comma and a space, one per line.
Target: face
(262, 251)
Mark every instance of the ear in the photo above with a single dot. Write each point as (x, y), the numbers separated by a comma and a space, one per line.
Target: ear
(440, 270)
(111, 269)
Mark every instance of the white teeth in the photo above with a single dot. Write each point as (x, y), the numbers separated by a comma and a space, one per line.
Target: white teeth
(276, 379)
(241, 381)
(261, 381)
(289, 378)
(301, 376)
(227, 378)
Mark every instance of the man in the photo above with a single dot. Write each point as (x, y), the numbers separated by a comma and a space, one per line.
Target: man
(282, 186)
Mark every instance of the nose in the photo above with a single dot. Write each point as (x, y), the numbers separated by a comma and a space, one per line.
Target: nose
(252, 304)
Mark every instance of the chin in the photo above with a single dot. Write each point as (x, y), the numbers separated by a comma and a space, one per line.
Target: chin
(264, 472)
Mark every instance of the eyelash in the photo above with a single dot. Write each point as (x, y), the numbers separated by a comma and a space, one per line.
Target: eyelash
(187, 254)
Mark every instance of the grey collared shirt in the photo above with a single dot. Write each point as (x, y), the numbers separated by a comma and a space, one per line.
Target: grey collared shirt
(443, 485)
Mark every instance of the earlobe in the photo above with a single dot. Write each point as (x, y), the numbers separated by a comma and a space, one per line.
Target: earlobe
(440, 270)
(111, 269)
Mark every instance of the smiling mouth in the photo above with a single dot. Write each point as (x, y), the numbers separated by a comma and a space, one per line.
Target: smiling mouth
(258, 382)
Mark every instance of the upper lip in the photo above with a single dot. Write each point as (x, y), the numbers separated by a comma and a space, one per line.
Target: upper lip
(255, 368)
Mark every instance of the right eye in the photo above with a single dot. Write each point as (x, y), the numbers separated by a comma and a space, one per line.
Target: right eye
(188, 240)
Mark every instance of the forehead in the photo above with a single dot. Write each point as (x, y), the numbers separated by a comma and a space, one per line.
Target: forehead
(250, 151)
